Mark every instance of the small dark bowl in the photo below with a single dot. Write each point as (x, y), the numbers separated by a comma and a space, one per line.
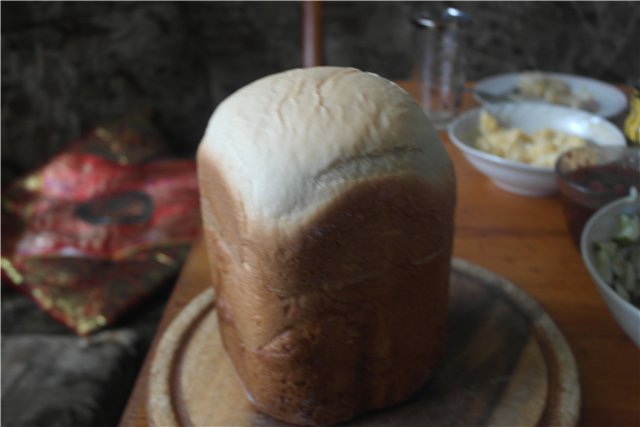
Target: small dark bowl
(593, 176)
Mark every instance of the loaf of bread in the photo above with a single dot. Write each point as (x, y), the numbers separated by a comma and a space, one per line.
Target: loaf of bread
(327, 203)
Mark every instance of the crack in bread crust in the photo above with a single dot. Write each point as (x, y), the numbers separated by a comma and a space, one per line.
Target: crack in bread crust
(380, 162)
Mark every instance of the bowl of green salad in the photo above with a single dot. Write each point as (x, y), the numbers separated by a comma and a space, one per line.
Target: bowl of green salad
(610, 246)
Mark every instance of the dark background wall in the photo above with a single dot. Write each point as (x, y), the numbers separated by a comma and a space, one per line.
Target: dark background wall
(69, 65)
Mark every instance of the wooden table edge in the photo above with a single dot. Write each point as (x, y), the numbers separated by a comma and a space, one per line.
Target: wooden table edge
(136, 404)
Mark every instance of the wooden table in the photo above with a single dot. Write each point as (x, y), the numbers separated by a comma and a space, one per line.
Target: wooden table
(526, 241)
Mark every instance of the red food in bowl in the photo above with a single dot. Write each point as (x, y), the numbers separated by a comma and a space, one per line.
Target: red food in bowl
(606, 183)
(590, 177)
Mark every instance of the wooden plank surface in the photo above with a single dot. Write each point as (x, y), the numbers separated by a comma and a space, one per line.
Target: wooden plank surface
(526, 241)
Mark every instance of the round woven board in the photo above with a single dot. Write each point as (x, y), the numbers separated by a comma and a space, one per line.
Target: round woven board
(506, 364)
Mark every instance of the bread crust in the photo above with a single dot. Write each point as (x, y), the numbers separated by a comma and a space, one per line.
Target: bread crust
(343, 314)
(328, 204)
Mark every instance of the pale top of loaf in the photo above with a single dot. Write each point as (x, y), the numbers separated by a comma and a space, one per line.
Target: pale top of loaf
(289, 143)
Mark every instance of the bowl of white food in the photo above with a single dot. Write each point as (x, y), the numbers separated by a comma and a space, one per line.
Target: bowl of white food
(610, 246)
(570, 90)
(516, 144)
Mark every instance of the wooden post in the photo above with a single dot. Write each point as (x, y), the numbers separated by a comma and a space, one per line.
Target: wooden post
(312, 33)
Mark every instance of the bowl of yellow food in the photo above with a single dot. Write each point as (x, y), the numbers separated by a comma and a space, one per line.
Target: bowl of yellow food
(517, 144)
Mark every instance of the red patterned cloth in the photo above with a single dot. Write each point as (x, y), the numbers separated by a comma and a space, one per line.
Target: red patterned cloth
(101, 226)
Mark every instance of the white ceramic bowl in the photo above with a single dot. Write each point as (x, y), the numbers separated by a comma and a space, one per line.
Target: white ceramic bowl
(521, 178)
(611, 100)
(600, 227)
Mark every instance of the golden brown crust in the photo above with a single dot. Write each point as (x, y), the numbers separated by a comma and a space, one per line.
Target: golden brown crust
(346, 313)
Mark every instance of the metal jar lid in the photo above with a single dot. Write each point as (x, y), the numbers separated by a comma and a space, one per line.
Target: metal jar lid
(450, 15)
